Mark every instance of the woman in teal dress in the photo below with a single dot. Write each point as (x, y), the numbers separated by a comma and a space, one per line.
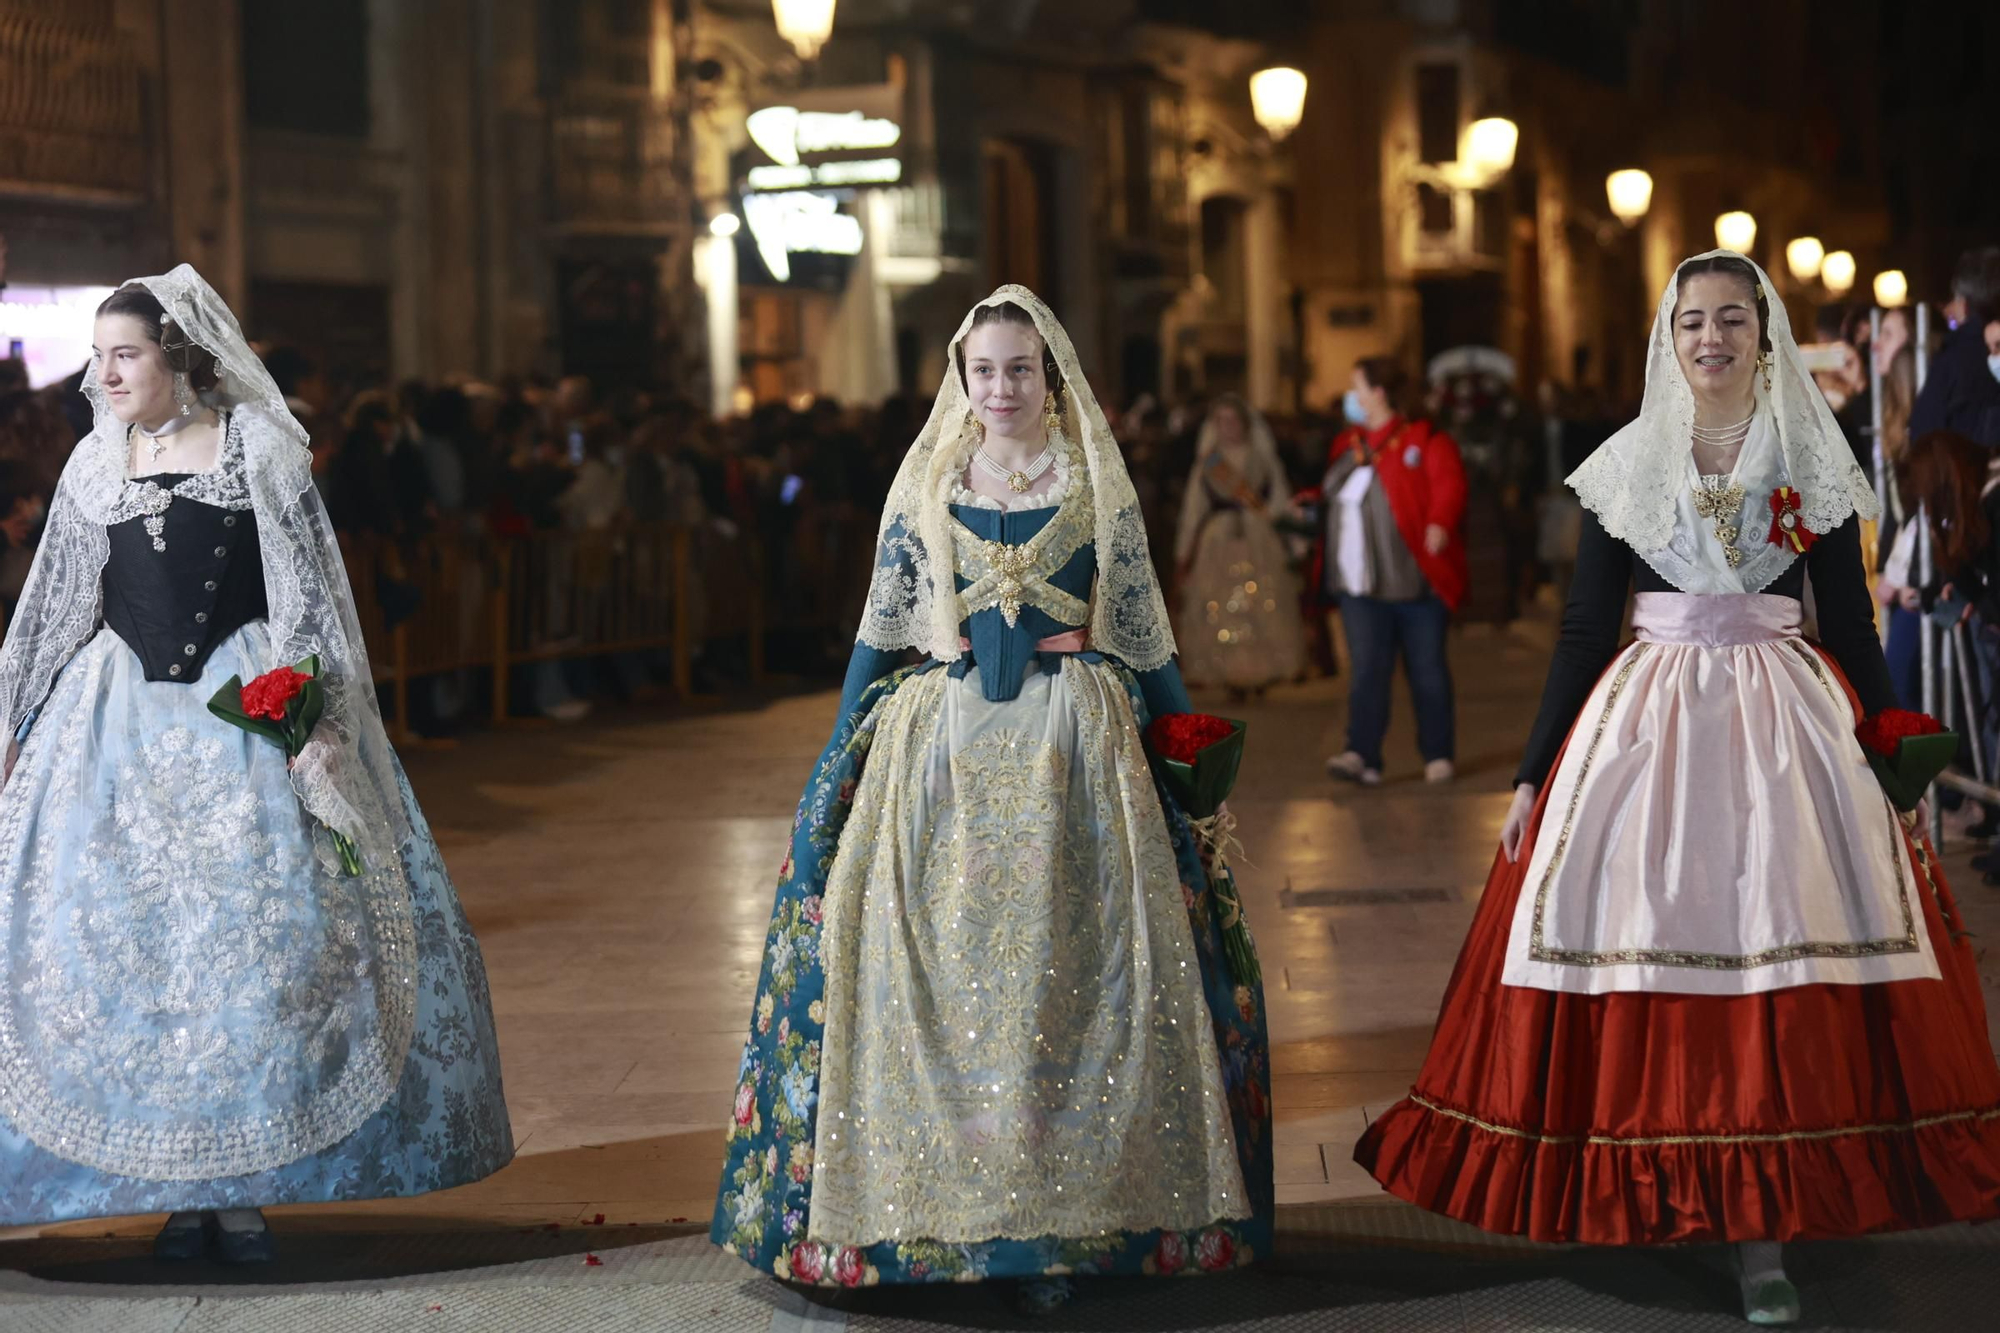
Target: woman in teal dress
(995, 1034)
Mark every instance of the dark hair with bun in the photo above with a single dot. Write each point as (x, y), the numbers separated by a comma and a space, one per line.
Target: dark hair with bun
(1006, 312)
(203, 369)
(1742, 271)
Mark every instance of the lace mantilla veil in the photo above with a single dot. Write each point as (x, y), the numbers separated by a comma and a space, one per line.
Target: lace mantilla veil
(1634, 480)
(912, 601)
(350, 783)
(1263, 449)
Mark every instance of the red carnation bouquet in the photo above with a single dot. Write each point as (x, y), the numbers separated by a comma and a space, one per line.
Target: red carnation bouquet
(1907, 751)
(283, 706)
(1197, 757)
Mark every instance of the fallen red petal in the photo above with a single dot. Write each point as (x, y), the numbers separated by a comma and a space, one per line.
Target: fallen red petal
(592, 1261)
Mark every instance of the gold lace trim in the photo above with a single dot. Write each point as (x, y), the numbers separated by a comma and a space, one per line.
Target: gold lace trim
(1011, 577)
(1667, 1140)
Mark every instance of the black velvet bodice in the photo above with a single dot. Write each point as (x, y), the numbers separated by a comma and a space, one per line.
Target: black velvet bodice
(173, 606)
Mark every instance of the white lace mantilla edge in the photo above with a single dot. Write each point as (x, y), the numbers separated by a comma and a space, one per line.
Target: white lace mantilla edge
(1633, 480)
(905, 607)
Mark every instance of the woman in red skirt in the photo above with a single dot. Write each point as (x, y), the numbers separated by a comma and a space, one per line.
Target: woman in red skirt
(1714, 991)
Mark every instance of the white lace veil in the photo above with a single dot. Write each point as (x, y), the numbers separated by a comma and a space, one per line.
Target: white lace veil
(1264, 460)
(913, 602)
(1634, 479)
(350, 784)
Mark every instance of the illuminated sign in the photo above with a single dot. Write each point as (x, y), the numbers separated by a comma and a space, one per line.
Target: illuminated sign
(828, 175)
(786, 133)
(799, 222)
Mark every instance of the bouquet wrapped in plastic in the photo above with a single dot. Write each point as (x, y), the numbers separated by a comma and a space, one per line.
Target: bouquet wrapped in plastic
(1198, 757)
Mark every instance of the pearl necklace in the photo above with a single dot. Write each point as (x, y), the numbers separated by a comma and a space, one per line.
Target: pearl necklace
(1723, 434)
(1021, 479)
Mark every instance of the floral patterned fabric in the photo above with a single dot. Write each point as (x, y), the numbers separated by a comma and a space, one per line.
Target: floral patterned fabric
(171, 919)
(764, 1205)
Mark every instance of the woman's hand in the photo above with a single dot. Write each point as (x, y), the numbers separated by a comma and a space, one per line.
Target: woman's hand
(1436, 538)
(1910, 599)
(13, 753)
(1516, 826)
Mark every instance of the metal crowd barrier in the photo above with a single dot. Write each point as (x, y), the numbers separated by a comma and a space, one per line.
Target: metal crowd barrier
(474, 601)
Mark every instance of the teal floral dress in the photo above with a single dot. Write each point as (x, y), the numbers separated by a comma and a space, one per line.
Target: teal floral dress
(779, 1148)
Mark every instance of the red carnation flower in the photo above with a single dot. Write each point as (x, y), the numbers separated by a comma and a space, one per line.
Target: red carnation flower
(1183, 736)
(1887, 730)
(270, 694)
(1170, 1256)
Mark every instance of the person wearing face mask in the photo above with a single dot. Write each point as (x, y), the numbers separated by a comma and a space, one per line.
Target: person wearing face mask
(1394, 498)
(988, 905)
(1716, 990)
(1962, 389)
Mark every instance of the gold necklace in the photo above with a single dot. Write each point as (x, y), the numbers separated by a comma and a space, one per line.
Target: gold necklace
(1720, 501)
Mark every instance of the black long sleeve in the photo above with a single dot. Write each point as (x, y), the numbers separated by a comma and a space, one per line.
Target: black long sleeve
(1847, 614)
(1589, 640)
(1606, 569)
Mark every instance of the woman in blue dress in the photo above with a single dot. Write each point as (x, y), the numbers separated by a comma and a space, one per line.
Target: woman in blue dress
(200, 1012)
(995, 1035)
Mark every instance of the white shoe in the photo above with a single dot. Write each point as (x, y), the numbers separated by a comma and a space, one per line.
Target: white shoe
(1351, 767)
(1769, 1298)
(1440, 770)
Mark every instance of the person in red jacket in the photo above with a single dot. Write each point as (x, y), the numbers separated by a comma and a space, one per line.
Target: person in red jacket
(1394, 556)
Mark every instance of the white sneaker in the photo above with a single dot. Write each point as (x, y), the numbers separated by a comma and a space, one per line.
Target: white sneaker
(1351, 767)
(1440, 770)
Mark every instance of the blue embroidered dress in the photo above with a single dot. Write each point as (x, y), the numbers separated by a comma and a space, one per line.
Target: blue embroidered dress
(994, 1033)
(196, 1011)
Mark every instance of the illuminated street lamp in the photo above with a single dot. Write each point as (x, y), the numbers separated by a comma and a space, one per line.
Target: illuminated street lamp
(1837, 272)
(1631, 194)
(725, 224)
(806, 24)
(1803, 257)
(1489, 147)
(1736, 231)
(1891, 288)
(1278, 97)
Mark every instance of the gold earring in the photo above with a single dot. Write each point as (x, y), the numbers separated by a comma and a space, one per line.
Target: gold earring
(1764, 366)
(976, 426)
(1051, 413)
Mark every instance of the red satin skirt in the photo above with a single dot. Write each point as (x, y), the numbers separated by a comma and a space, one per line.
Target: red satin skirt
(1642, 1118)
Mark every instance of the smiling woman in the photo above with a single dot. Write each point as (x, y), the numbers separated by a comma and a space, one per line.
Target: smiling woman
(1716, 989)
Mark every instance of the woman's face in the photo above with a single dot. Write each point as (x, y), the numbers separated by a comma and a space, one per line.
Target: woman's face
(1005, 381)
(1715, 336)
(133, 371)
(1895, 337)
(1230, 428)
(1374, 401)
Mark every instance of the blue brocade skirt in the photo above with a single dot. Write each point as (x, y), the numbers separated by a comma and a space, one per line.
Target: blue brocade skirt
(196, 1013)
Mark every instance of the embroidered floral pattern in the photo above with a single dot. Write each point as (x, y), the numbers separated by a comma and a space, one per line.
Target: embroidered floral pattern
(188, 995)
(764, 1208)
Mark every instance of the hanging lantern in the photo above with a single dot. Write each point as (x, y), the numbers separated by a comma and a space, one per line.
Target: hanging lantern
(806, 24)
(1278, 98)
(1489, 147)
(1891, 288)
(1803, 257)
(1631, 194)
(1837, 272)
(1736, 231)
